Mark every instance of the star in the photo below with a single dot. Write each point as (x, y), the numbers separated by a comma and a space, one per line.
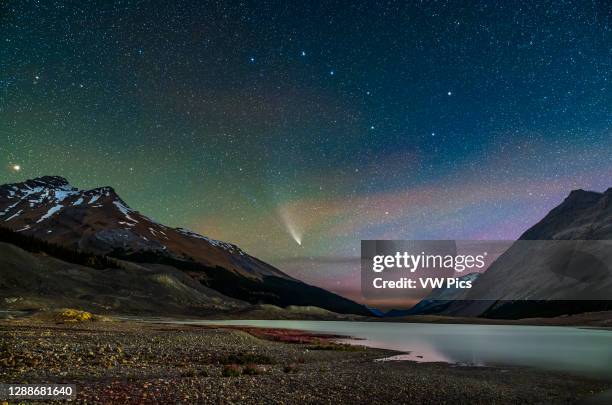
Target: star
(201, 106)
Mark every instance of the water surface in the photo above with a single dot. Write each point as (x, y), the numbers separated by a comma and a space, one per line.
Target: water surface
(584, 351)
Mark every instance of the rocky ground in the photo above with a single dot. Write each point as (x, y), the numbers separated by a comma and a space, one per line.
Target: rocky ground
(132, 362)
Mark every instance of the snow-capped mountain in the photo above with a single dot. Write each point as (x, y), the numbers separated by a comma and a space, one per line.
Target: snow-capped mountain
(99, 221)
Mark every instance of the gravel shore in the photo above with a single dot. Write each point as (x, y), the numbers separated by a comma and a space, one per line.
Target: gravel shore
(134, 362)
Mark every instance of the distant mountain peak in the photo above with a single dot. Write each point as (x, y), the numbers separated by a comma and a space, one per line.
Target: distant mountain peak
(582, 215)
(109, 193)
(583, 195)
(58, 182)
(51, 181)
(108, 190)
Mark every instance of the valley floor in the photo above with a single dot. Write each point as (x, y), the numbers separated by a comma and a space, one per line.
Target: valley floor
(132, 362)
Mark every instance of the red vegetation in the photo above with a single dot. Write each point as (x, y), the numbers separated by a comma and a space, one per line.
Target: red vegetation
(287, 335)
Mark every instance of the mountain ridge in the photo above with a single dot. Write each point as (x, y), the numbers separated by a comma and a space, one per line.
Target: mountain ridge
(100, 222)
(581, 215)
(581, 223)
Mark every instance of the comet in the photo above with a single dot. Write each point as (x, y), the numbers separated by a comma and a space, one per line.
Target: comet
(290, 225)
(284, 219)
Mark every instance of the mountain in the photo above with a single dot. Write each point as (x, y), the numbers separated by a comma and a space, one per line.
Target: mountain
(438, 299)
(569, 273)
(376, 312)
(32, 280)
(98, 221)
(583, 215)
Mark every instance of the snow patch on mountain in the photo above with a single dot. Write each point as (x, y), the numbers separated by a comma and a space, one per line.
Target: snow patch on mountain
(217, 243)
(124, 210)
(13, 216)
(9, 208)
(50, 213)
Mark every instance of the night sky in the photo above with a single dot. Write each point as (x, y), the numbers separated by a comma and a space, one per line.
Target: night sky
(296, 129)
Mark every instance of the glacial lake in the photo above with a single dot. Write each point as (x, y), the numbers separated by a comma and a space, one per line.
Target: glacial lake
(582, 351)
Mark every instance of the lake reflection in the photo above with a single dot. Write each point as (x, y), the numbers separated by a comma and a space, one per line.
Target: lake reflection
(576, 350)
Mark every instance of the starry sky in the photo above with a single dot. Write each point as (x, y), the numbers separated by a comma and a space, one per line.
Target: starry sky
(296, 129)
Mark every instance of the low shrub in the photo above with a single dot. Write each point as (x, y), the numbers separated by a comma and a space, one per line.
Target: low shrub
(75, 315)
(290, 368)
(231, 370)
(253, 369)
(340, 347)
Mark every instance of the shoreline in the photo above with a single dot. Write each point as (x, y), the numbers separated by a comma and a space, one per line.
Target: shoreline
(600, 320)
(129, 361)
(417, 319)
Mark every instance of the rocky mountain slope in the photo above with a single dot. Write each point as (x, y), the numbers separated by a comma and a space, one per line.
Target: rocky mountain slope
(439, 299)
(100, 222)
(583, 215)
(34, 281)
(562, 265)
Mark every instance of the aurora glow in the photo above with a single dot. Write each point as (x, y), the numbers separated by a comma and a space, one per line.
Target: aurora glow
(296, 129)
